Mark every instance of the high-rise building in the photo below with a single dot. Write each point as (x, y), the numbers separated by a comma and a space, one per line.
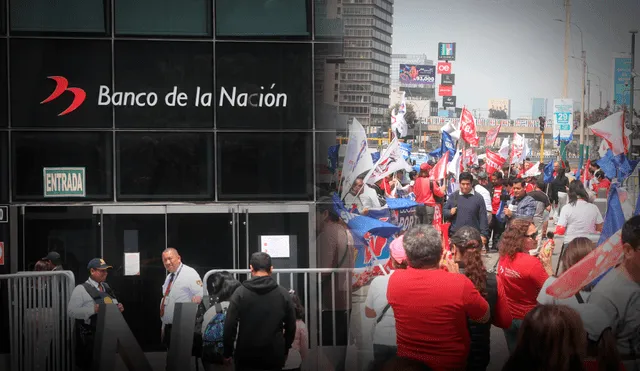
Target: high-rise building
(538, 107)
(364, 75)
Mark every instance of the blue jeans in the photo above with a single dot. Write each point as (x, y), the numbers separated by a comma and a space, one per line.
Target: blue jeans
(511, 334)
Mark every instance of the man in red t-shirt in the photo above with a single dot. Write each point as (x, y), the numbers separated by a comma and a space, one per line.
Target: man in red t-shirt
(431, 306)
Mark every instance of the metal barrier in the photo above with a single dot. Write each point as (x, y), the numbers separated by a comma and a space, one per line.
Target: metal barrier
(40, 331)
(308, 285)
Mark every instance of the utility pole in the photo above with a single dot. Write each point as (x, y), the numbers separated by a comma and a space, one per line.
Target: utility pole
(565, 86)
(589, 96)
(584, 76)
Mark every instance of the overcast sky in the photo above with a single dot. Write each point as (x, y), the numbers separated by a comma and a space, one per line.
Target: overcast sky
(514, 48)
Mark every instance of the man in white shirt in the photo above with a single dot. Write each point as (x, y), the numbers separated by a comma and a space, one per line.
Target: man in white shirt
(362, 196)
(481, 189)
(182, 285)
(84, 305)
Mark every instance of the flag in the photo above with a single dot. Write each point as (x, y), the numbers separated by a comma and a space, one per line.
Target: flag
(446, 145)
(332, 158)
(607, 165)
(624, 167)
(357, 159)
(548, 173)
(602, 149)
(360, 225)
(406, 150)
(398, 122)
(390, 162)
(637, 210)
(517, 148)
(504, 149)
(607, 255)
(494, 162)
(455, 165)
(468, 127)
(526, 152)
(492, 135)
(612, 130)
(400, 203)
(451, 129)
(439, 170)
(586, 175)
(533, 170)
(375, 156)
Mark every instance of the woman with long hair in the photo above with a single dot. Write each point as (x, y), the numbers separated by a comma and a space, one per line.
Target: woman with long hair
(559, 185)
(521, 274)
(467, 253)
(552, 337)
(575, 251)
(579, 217)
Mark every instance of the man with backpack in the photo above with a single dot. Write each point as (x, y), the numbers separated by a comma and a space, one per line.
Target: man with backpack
(84, 305)
(262, 314)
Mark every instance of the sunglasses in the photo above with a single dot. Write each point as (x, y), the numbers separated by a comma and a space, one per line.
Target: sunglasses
(533, 236)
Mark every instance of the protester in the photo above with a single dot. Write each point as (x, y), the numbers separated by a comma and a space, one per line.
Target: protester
(479, 186)
(466, 245)
(467, 208)
(431, 306)
(426, 190)
(258, 312)
(552, 337)
(500, 195)
(521, 274)
(521, 205)
(361, 196)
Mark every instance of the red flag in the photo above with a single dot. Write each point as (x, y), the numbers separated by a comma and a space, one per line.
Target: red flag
(494, 162)
(439, 170)
(437, 216)
(468, 127)
(586, 175)
(492, 135)
(592, 266)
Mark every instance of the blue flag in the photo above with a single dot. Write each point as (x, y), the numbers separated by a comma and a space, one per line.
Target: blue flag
(406, 150)
(448, 144)
(360, 225)
(332, 158)
(400, 203)
(624, 166)
(637, 210)
(607, 165)
(548, 172)
(375, 156)
(613, 221)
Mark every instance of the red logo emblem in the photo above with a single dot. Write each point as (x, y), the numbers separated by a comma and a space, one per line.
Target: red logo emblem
(444, 68)
(62, 85)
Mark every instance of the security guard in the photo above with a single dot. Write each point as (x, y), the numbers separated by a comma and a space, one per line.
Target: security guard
(84, 306)
(182, 285)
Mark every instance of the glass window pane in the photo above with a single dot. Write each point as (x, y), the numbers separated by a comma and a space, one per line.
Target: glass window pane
(40, 66)
(58, 16)
(4, 114)
(272, 86)
(33, 151)
(4, 167)
(261, 18)
(158, 67)
(165, 165)
(261, 166)
(329, 23)
(3, 17)
(163, 17)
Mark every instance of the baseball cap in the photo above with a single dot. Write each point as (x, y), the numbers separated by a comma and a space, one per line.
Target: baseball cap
(425, 166)
(482, 175)
(53, 256)
(397, 250)
(97, 263)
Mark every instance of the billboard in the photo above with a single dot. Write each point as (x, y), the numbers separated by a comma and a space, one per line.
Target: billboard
(445, 90)
(449, 101)
(621, 76)
(446, 51)
(449, 79)
(444, 68)
(563, 119)
(417, 74)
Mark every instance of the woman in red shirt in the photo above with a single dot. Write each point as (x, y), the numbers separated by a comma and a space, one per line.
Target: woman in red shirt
(467, 246)
(521, 274)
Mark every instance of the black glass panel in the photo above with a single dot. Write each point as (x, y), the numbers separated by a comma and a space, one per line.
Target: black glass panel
(4, 112)
(140, 294)
(163, 17)
(56, 83)
(262, 18)
(4, 167)
(163, 84)
(33, 151)
(3, 17)
(263, 86)
(58, 16)
(165, 165)
(264, 166)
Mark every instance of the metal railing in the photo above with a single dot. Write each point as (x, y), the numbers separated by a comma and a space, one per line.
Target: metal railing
(316, 288)
(40, 332)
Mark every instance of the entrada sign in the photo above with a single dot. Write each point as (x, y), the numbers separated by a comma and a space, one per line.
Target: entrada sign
(64, 182)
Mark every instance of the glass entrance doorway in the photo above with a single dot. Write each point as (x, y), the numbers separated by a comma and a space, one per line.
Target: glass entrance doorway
(218, 236)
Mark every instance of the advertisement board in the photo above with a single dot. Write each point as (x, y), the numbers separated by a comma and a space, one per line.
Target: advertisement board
(64, 181)
(448, 79)
(417, 74)
(446, 51)
(449, 101)
(562, 119)
(445, 90)
(621, 77)
(444, 68)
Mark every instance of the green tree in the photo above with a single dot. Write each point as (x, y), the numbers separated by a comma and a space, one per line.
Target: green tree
(498, 114)
(409, 116)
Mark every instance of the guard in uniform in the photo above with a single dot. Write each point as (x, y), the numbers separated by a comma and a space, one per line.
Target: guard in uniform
(84, 306)
(182, 285)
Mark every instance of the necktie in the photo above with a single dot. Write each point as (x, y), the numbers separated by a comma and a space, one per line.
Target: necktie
(166, 293)
(100, 287)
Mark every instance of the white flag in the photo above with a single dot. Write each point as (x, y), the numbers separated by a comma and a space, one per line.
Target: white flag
(504, 148)
(398, 122)
(454, 165)
(517, 148)
(357, 158)
(612, 130)
(533, 171)
(390, 162)
(452, 129)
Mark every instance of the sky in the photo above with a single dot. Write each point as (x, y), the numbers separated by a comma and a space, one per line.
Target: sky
(514, 48)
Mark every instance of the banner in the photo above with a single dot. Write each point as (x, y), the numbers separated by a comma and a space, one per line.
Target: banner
(621, 78)
(494, 162)
(390, 162)
(468, 127)
(492, 135)
(417, 74)
(562, 119)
